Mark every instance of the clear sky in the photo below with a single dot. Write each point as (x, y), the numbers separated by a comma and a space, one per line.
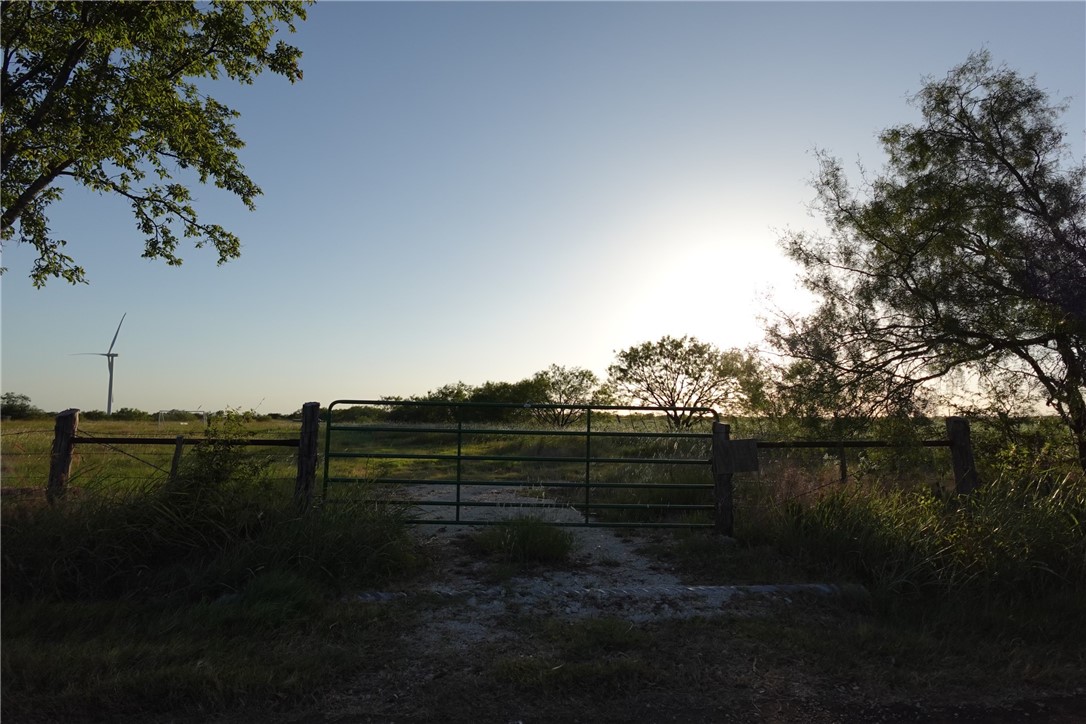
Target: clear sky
(474, 191)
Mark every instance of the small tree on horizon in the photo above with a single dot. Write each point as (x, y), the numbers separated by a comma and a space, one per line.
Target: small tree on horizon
(683, 373)
(19, 407)
(573, 386)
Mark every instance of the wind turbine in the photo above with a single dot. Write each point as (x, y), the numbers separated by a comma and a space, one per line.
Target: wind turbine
(110, 356)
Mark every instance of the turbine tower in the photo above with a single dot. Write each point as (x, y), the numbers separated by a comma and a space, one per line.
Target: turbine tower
(110, 356)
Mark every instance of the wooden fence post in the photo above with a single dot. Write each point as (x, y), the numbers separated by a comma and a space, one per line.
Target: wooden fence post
(961, 454)
(307, 455)
(179, 444)
(722, 480)
(60, 462)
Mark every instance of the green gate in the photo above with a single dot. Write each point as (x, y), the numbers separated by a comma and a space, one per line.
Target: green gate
(482, 463)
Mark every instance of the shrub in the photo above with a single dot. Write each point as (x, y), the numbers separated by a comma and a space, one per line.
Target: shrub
(1007, 544)
(15, 406)
(207, 532)
(526, 541)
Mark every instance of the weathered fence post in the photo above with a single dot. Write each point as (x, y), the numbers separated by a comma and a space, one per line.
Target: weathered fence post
(179, 444)
(722, 480)
(60, 462)
(961, 455)
(307, 455)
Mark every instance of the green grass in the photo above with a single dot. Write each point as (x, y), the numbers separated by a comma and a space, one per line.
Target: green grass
(816, 652)
(278, 644)
(604, 654)
(525, 542)
(25, 447)
(1009, 540)
(192, 543)
(211, 595)
(1007, 562)
(203, 593)
(218, 523)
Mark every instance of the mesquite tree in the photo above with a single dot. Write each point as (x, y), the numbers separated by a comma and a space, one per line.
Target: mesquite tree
(966, 253)
(683, 373)
(573, 386)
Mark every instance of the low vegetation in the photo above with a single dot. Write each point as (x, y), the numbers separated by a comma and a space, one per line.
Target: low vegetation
(524, 542)
(197, 594)
(212, 594)
(1010, 558)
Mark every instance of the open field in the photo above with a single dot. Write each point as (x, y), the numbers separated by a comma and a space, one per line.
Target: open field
(25, 447)
(212, 599)
(482, 652)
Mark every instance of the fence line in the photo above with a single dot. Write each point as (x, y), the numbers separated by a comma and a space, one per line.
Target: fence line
(740, 456)
(66, 437)
(727, 458)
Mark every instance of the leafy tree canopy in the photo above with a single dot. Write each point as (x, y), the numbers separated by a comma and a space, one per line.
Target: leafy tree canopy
(684, 373)
(489, 393)
(18, 407)
(103, 94)
(965, 255)
(568, 386)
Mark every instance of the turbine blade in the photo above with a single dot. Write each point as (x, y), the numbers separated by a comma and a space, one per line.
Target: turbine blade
(117, 332)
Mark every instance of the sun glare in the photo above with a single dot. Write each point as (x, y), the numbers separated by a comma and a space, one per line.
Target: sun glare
(704, 290)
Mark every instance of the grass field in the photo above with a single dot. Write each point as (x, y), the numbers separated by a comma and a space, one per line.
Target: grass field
(25, 449)
(211, 595)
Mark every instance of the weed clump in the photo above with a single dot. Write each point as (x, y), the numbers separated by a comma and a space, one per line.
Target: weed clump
(525, 542)
(1012, 548)
(205, 533)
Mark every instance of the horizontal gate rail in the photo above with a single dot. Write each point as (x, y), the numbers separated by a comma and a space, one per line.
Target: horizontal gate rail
(242, 442)
(832, 444)
(519, 458)
(441, 446)
(523, 483)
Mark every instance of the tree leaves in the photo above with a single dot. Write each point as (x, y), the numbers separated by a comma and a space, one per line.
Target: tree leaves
(685, 373)
(105, 94)
(967, 252)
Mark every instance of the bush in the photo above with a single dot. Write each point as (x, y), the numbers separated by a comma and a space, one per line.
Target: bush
(526, 541)
(1009, 543)
(14, 406)
(204, 534)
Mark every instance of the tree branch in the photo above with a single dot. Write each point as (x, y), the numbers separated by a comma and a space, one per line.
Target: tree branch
(12, 213)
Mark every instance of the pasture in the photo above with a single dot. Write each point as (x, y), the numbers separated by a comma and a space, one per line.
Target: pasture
(140, 598)
(25, 447)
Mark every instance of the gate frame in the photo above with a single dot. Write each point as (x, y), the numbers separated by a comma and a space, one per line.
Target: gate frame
(713, 484)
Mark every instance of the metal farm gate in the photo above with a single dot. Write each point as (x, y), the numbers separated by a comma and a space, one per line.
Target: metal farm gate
(482, 463)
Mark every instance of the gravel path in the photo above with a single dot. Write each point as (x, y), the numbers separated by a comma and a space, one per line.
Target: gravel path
(607, 576)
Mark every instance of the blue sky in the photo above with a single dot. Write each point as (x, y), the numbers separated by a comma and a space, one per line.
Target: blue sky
(474, 191)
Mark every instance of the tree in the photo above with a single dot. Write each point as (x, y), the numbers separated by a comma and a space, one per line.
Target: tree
(455, 393)
(18, 407)
(683, 373)
(132, 414)
(966, 255)
(104, 95)
(574, 386)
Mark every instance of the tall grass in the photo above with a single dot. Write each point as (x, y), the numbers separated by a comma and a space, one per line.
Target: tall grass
(525, 542)
(1016, 544)
(219, 524)
(204, 592)
(25, 447)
